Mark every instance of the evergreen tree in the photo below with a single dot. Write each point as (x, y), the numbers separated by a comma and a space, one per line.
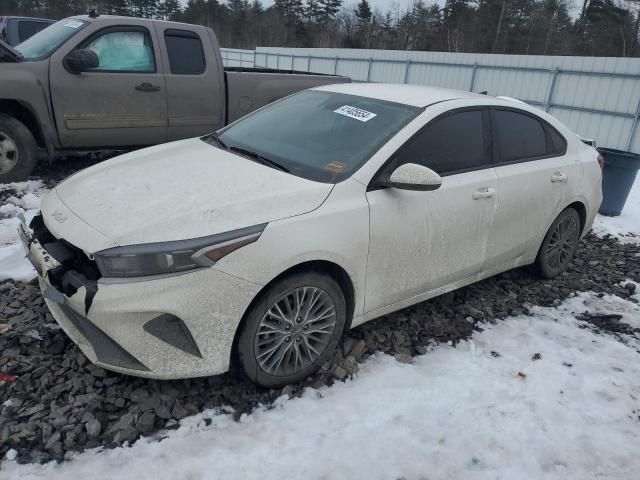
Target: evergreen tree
(363, 13)
(169, 10)
(329, 8)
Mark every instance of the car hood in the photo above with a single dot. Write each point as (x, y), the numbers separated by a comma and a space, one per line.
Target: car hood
(182, 190)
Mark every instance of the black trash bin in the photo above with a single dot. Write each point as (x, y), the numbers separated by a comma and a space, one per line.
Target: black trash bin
(620, 169)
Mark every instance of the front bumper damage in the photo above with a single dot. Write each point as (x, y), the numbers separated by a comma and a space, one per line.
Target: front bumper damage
(162, 327)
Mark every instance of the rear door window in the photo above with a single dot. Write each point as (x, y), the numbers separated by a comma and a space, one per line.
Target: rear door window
(186, 55)
(519, 136)
(451, 144)
(27, 29)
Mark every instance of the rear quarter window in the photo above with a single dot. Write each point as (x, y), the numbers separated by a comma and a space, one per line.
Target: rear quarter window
(557, 143)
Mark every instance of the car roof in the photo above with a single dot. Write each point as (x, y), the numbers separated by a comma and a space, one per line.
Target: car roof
(11, 17)
(414, 95)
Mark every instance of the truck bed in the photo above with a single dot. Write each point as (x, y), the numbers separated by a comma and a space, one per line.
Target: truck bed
(251, 88)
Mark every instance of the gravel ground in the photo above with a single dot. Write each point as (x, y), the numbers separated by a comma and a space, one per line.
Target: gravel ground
(59, 402)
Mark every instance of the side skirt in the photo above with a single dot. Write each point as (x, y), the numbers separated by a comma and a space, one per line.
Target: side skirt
(439, 291)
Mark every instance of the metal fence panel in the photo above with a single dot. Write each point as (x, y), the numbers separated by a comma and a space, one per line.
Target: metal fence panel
(597, 97)
(235, 57)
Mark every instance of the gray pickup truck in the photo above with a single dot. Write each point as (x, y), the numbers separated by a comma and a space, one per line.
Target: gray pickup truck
(88, 83)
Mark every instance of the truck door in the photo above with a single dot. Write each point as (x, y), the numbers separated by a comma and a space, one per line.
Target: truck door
(120, 103)
(194, 80)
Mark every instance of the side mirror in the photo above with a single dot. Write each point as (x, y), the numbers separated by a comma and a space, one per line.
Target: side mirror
(412, 176)
(81, 60)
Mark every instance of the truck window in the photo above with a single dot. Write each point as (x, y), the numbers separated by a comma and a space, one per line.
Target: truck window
(46, 41)
(124, 50)
(27, 29)
(186, 55)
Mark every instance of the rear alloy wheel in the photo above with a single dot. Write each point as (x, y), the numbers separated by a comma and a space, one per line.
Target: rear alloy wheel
(292, 330)
(18, 150)
(560, 244)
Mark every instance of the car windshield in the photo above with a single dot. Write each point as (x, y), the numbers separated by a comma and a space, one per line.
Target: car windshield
(45, 42)
(321, 136)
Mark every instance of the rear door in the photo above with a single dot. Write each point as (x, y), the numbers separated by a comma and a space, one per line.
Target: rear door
(195, 90)
(423, 241)
(120, 103)
(532, 174)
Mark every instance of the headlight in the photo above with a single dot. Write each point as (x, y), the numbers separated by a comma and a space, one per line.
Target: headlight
(173, 257)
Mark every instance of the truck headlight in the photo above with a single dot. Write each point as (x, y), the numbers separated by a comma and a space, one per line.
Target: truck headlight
(173, 257)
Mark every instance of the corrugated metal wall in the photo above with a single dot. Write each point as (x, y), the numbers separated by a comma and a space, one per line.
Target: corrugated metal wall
(597, 97)
(235, 57)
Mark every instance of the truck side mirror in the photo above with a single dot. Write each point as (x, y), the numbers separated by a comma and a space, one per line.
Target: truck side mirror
(81, 60)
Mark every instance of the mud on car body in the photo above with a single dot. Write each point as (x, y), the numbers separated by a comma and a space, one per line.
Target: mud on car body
(310, 216)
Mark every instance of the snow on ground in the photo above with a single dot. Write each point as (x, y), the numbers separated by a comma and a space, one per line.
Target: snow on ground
(627, 222)
(25, 198)
(528, 398)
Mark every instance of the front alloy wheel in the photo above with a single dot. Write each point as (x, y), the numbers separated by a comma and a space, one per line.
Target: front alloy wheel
(292, 330)
(295, 331)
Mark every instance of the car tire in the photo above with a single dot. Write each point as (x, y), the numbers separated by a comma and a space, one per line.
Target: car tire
(559, 245)
(292, 329)
(18, 150)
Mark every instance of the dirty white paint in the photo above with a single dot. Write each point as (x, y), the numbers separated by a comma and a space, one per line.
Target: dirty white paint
(403, 246)
(181, 190)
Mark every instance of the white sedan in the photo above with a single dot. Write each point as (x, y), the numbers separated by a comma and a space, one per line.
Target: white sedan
(261, 243)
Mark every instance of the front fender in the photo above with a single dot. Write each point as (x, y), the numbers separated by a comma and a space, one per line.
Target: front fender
(25, 85)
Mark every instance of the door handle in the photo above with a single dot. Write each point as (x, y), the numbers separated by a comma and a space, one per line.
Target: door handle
(559, 177)
(147, 87)
(485, 192)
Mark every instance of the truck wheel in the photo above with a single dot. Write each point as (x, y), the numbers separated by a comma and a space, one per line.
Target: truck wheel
(292, 329)
(18, 150)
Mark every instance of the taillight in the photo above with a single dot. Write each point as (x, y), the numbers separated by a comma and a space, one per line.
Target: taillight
(601, 161)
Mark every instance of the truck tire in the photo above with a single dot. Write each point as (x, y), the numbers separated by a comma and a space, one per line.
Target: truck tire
(18, 150)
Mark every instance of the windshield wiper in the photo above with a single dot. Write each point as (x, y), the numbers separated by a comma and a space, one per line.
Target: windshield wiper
(216, 137)
(10, 53)
(259, 158)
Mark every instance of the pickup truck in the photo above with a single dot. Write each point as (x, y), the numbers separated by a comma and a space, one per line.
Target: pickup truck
(15, 30)
(107, 82)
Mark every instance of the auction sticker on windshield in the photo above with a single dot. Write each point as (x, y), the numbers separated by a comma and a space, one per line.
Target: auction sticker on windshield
(355, 113)
(73, 24)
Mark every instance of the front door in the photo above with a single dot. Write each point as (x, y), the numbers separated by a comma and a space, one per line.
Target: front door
(422, 241)
(120, 103)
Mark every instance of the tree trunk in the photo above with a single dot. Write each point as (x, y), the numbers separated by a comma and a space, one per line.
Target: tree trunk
(499, 27)
(634, 39)
(547, 40)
